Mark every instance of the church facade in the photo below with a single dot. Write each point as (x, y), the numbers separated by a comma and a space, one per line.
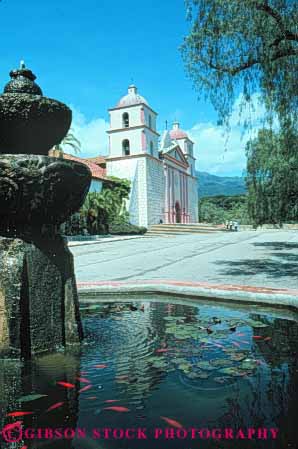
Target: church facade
(161, 170)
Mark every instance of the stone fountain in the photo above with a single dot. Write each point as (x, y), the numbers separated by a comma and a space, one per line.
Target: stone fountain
(39, 309)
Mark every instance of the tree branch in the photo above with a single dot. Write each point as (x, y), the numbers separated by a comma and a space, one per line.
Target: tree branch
(286, 34)
(250, 62)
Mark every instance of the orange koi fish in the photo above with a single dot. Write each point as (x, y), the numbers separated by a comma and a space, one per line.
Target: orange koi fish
(85, 388)
(172, 422)
(117, 409)
(83, 380)
(65, 384)
(54, 406)
(15, 414)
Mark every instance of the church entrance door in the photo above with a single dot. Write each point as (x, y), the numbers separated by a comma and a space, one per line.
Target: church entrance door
(178, 212)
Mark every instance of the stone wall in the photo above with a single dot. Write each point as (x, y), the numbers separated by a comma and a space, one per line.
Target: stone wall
(155, 190)
(134, 169)
(193, 199)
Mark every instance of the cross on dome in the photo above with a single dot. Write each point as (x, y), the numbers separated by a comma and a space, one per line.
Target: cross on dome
(132, 98)
(176, 132)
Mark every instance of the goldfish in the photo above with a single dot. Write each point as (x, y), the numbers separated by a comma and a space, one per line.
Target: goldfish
(85, 388)
(83, 380)
(117, 409)
(65, 384)
(15, 414)
(53, 407)
(172, 422)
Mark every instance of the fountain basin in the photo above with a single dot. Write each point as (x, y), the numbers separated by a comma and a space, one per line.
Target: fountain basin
(38, 190)
(31, 123)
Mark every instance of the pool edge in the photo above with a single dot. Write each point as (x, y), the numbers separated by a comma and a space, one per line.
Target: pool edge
(236, 293)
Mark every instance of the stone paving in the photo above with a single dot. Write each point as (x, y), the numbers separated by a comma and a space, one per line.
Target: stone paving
(248, 258)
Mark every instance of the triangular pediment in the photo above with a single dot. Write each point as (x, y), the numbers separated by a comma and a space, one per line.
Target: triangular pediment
(176, 153)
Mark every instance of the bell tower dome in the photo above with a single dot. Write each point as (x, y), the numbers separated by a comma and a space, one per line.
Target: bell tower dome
(132, 126)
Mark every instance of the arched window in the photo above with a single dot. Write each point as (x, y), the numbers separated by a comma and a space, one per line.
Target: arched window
(125, 148)
(150, 121)
(151, 148)
(125, 120)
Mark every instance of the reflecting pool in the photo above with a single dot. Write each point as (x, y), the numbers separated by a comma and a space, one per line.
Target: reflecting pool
(178, 374)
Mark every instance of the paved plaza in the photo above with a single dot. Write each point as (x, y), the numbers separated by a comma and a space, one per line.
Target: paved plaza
(254, 258)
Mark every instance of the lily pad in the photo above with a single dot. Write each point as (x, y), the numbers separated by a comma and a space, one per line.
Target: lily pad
(203, 375)
(204, 340)
(238, 356)
(185, 367)
(160, 364)
(221, 362)
(231, 371)
(155, 358)
(193, 375)
(171, 330)
(181, 336)
(179, 360)
(257, 324)
(174, 318)
(204, 365)
(249, 364)
(32, 397)
(222, 380)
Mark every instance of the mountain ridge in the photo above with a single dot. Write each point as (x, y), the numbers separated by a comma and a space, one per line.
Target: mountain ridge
(212, 185)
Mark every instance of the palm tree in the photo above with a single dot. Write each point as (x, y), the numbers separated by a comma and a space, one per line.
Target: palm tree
(100, 208)
(69, 140)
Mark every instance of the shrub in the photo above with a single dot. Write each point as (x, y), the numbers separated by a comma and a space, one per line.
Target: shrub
(126, 229)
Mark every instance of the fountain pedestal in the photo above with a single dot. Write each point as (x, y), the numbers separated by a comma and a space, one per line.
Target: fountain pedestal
(39, 308)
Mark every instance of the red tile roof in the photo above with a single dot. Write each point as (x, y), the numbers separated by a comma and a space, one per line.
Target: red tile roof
(96, 171)
(100, 160)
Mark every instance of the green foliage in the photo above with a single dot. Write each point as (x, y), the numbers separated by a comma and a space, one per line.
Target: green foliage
(75, 225)
(272, 177)
(244, 45)
(221, 208)
(100, 210)
(71, 141)
(126, 229)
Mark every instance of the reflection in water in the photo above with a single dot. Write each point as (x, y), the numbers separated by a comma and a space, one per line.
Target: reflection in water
(144, 364)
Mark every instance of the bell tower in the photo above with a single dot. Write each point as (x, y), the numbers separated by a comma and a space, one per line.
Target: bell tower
(134, 155)
(132, 127)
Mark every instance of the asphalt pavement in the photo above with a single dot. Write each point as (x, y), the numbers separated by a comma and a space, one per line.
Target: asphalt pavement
(262, 259)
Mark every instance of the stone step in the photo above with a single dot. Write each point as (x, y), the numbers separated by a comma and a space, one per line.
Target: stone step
(156, 233)
(184, 229)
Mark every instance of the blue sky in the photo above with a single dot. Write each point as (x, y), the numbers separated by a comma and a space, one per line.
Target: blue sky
(86, 54)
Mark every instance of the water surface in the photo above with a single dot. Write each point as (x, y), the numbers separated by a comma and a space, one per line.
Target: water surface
(202, 366)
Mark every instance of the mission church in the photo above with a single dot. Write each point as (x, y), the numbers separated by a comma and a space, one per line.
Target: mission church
(164, 187)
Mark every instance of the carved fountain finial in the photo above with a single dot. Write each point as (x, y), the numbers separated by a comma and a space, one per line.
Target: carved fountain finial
(29, 122)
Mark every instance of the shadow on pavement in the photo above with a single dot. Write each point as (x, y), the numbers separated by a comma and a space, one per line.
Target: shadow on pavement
(278, 263)
(279, 246)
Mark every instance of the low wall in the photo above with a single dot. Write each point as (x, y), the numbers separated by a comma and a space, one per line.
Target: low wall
(290, 226)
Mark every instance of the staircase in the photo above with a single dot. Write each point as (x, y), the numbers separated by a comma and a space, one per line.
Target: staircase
(179, 228)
